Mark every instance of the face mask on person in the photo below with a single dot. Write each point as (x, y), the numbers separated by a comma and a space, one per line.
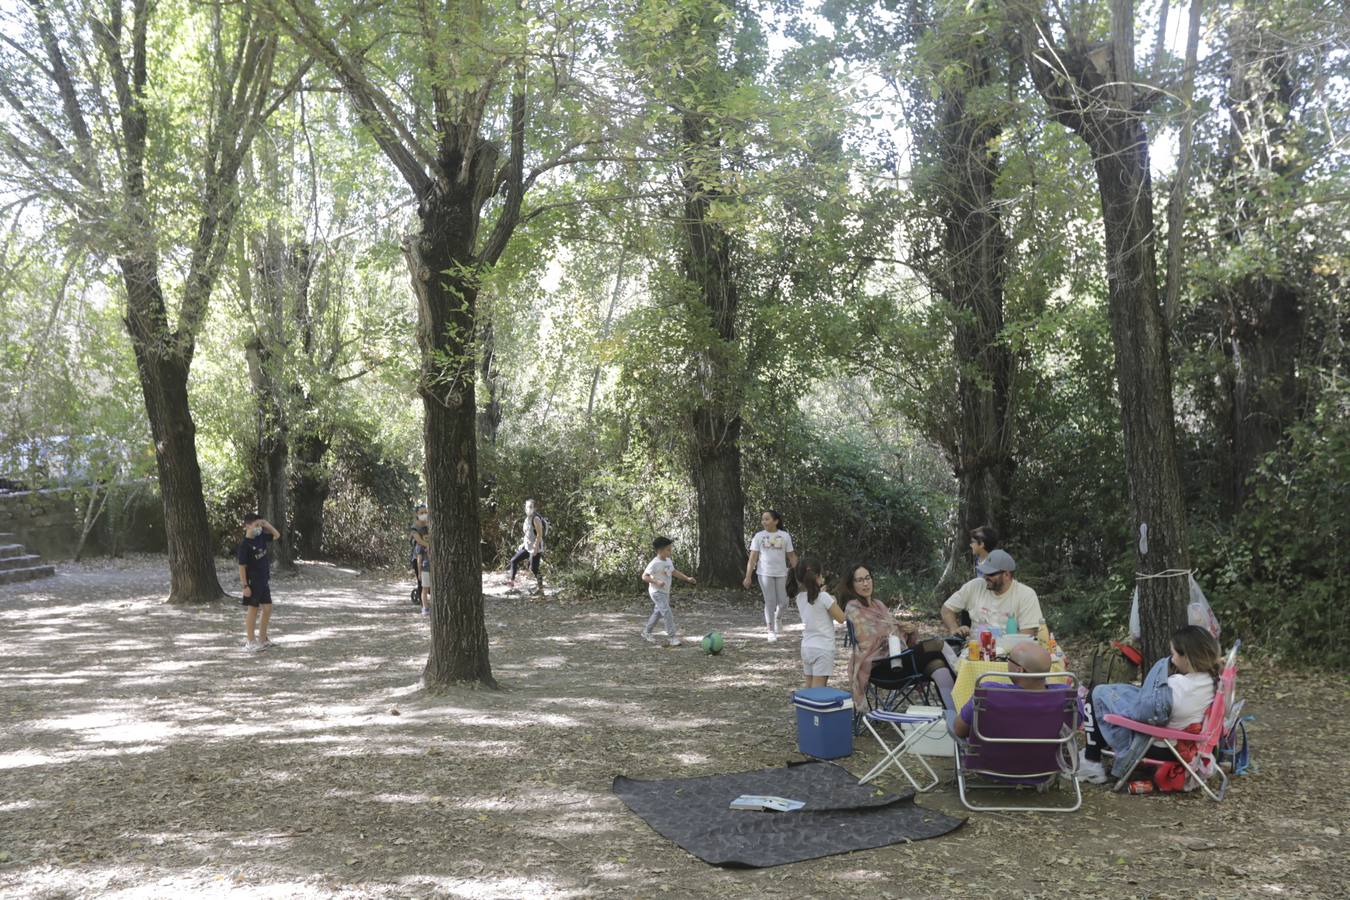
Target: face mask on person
(422, 517)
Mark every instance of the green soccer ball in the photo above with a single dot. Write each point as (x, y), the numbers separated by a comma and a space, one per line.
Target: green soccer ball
(712, 642)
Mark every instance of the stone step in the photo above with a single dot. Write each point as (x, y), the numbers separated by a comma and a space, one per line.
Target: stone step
(8, 550)
(27, 561)
(32, 573)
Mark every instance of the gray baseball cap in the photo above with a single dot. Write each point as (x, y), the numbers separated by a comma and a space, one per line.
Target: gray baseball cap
(998, 561)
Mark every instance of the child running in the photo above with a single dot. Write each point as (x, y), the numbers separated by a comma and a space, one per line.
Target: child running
(819, 612)
(657, 575)
(771, 554)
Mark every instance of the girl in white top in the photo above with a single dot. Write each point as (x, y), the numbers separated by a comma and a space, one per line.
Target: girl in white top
(771, 555)
(819, 612)
(1195, 657)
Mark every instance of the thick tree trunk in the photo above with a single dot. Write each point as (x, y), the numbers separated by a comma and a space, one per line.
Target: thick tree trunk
(1102, 106)
(441, 264)
(269, 468)
(1264, 322)
(706, 255)
(282, 273)
(721, 500)
(309, 492)
(271, 473)
(1143, 377)
(1262, 312)
(163, 371)
(975, 247)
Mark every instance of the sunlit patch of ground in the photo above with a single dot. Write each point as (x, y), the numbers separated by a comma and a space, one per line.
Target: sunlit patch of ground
(142, 754)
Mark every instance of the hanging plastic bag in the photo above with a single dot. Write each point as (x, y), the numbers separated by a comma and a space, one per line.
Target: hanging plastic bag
(1198, 611)
(1134, 615)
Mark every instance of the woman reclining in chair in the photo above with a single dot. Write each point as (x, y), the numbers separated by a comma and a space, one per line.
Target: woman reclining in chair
(873, 624)
(1195, 665)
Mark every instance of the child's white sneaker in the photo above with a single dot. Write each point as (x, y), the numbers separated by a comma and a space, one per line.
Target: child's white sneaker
(772, 637)
(252, 646)
(265, 645)
(649, 637)
(1091, 771)
(673, 642)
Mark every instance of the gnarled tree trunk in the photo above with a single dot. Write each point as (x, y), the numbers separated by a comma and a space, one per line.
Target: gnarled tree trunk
(163, 369)
(1104, 108)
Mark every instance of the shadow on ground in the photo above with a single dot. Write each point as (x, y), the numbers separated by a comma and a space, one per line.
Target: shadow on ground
(143, 754)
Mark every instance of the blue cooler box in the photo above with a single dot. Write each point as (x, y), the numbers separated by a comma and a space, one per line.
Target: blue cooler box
(824, 722)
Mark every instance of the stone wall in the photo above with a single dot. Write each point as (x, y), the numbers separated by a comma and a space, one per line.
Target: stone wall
(48, 522)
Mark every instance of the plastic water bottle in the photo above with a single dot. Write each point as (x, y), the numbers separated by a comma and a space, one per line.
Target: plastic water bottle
(1056, 654)
(1012, 624)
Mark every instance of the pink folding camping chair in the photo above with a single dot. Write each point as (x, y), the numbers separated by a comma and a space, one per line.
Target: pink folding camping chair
(1212, 729)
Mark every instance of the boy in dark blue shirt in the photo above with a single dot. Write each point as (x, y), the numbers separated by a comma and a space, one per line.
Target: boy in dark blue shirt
(255, 573)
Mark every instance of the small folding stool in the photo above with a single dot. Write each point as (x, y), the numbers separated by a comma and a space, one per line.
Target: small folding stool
(922, 723)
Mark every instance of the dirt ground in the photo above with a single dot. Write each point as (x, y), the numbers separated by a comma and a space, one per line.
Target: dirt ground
(144, 755)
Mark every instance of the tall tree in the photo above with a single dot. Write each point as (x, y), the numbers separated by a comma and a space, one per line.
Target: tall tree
(957, 168)
(1093, 91)
(706, 258)
(950, 74)
(448, 101)
(93, 129)
(1263, 164)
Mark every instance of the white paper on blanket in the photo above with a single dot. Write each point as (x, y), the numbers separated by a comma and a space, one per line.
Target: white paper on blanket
(758, 801)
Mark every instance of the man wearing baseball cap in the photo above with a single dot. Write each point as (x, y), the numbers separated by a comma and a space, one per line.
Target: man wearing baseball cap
(992, 597)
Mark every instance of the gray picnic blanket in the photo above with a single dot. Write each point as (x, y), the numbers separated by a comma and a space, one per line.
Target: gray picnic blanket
(840, 815)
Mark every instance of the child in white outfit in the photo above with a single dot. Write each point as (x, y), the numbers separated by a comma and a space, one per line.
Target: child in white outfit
(819, 612)
(658, 574)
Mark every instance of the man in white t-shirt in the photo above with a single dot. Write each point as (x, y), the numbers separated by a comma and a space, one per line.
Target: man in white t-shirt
(992, 597)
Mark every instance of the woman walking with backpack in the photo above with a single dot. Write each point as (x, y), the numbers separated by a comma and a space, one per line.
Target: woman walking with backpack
(531, 547)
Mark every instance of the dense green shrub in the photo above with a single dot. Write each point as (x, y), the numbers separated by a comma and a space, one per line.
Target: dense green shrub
(604, 494)
(1279, 577)
(840, 506)
(369, 506)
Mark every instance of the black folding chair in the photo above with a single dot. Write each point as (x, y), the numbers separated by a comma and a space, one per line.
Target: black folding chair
(896, 682)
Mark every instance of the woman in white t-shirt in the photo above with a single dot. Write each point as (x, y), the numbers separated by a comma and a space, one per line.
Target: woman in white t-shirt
(771, 556)
(819, 612)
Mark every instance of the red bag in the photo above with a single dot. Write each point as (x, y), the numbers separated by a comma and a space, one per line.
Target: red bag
(1170, 778)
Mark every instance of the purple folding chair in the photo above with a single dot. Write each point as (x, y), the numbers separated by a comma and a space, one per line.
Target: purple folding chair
(1021, 738)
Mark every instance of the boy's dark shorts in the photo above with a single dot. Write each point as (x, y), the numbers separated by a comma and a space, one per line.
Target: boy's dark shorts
(261, 596)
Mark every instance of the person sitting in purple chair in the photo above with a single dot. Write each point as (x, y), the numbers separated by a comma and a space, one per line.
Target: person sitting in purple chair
(1026, 656)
